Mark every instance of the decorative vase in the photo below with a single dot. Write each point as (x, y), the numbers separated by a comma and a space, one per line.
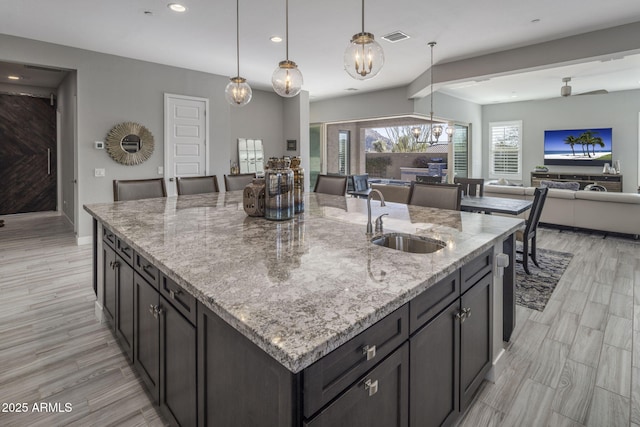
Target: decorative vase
(298, 184)
(235, 169)
(278, 195)
(253, 198)
(616, 166)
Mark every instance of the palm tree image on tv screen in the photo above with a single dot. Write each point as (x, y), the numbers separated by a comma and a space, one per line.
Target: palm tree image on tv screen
(586, 147)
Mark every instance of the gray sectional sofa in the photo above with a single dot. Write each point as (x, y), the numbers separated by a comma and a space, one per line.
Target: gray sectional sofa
(593, 210)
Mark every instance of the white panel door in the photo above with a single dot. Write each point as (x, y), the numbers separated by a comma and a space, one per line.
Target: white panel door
(186, 138)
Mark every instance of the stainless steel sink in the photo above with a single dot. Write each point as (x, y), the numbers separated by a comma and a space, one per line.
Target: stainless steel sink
(408, 243)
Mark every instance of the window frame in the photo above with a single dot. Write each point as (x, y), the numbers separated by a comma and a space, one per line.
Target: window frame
(492, 173)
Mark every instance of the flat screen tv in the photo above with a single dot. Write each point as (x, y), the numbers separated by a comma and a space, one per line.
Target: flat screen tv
(579, 147)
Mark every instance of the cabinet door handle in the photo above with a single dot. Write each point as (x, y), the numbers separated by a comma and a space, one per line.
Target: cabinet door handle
(461, 316)
(467, 312)
(114, 265)
(48, 161)
(369, 351)
(157, 311)
(371, 386)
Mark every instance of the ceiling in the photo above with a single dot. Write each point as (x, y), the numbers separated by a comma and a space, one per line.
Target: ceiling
(203, 38)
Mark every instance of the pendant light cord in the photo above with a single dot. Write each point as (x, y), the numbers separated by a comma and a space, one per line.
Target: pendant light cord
(238, 37)
(432, 44)
(287, 28)
(363, 16)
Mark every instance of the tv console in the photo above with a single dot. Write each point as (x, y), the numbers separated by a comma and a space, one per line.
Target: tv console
(612, 182)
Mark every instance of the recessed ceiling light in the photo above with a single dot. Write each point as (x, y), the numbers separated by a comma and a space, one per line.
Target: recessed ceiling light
(177, 7)
(148, 12)
(535, 21)
(13, 77)
(276, 39)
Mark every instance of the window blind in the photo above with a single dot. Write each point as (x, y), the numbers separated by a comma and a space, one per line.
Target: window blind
(506, 150)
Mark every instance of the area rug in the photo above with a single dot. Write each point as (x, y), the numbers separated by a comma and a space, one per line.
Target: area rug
(534, 290)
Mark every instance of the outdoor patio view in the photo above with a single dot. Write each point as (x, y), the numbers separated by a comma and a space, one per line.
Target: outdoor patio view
(388, 149)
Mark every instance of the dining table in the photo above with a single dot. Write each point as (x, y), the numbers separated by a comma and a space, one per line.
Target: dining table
(491, 205)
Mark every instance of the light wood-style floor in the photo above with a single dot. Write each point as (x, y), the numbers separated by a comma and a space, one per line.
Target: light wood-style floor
(52, 348)
(577, 363)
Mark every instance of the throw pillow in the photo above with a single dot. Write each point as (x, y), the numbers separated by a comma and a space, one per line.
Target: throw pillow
(571, 185)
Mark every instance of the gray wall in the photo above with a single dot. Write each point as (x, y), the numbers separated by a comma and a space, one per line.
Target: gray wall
(66, 101)
(383, 103)
(618, 110)
(394, 102)
(296, 126)
(449, 108)
(261, 118)
(113, 89)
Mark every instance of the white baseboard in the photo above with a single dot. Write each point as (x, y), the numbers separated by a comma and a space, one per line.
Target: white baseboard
(499, 365)
(99, 312)
(85, 240)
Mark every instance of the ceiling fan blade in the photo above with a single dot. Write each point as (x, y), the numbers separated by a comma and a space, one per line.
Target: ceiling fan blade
(595, 92)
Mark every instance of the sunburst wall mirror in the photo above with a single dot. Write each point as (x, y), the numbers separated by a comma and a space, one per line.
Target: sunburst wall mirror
(129, 143)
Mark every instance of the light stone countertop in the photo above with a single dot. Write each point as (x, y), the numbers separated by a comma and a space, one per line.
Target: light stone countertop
(300, 288)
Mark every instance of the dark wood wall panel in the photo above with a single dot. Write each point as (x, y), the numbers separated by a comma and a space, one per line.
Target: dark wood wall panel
(27, 172)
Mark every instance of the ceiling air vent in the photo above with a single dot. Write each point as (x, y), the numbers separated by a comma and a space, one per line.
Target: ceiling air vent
(396, 36)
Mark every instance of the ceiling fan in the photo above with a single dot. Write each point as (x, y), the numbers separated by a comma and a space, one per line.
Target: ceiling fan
(566, 89)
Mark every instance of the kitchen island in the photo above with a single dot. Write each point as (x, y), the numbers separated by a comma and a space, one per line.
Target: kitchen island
(269, 309)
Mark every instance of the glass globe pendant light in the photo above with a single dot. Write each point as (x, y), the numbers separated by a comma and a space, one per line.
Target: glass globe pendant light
(238, 92)
(287, 79)
(363, 58)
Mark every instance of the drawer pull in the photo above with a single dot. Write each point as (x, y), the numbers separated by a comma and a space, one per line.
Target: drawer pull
(173, 294)
(126, 249)
(371, 386)
(369, 351)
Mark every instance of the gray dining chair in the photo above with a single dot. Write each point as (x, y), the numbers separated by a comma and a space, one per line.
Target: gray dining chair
(238, 182)
(471, 186)
(530, 230)
(197, 185)
(331, 184)
(137, 189)
(442, 196)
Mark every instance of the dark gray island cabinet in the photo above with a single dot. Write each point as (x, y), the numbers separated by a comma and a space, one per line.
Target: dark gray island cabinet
(418, 366)
(154, 322)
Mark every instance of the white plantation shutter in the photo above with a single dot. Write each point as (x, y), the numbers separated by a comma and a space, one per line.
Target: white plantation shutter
(461, 151)
(343, 152)
(505, 152)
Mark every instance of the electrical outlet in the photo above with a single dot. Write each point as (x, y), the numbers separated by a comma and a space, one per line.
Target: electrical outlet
(99, 172)
(99, 145)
